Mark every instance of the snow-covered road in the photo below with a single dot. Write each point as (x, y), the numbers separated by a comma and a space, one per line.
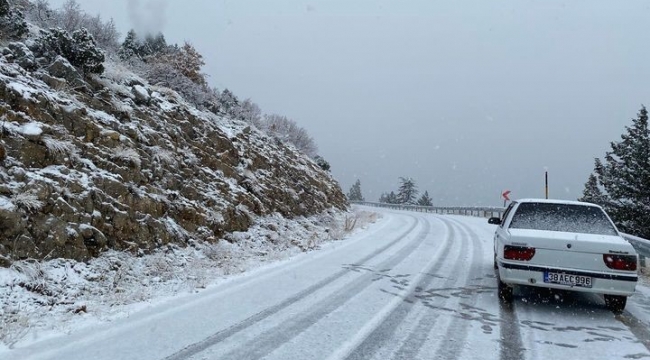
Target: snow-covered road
(413, 286)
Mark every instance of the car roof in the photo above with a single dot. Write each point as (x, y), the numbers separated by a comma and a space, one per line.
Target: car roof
(556, 201)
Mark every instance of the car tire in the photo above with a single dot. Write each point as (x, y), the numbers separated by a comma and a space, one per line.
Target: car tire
(505, 292)
(615, 303)
(496, 267)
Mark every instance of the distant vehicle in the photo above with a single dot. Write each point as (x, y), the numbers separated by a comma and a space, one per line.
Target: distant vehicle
(565, 245)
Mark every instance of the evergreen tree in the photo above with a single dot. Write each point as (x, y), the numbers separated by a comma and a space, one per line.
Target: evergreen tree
(228, 103)
(79, 49)
(87, 56)
(355, 192)
(322, 163)
(625, 177)
(425, 200)
(130, 47)
(388, 198)
(407, 192)
(392, 198)
(153, 44)
(592, 193)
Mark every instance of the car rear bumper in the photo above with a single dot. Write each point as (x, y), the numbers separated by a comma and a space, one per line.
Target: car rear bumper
(602, 283)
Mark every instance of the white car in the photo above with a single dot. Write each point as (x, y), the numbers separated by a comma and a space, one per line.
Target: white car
(565, 245)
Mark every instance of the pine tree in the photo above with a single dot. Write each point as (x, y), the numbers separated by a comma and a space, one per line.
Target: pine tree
(154, 44)
(407, 192)
(625, 177)
(130, 46)
(425, 200)
(392, 198)
(322, 163)
(228, 103)
(592, 193)
(355, 192)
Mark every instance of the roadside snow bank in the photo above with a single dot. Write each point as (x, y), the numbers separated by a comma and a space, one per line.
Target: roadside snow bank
(41, 298)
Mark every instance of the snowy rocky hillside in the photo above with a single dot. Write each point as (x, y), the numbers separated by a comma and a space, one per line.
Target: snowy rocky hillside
(91, 163)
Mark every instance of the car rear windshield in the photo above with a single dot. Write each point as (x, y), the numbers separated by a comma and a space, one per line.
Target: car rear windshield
(562, 217)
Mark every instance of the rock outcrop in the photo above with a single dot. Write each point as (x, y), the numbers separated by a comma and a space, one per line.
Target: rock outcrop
(125, 165)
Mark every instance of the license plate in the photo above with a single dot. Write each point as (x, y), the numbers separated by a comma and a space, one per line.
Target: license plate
(567, 279)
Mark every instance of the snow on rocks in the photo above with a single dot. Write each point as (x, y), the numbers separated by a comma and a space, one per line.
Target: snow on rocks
(141, 94)
(31, 129)
(6, 204)
(120, 165)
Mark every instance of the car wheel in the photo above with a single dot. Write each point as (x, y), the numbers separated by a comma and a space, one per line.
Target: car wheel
(495, 262)
(505, 292)
(615, 303)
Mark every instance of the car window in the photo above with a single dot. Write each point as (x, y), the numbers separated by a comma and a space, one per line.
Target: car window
(562, 217)
(506, 213)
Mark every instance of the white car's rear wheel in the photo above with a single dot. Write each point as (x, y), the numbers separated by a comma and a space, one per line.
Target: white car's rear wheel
(505, 292)
(615, 303)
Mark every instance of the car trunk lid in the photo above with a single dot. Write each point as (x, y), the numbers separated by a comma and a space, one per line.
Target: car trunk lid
(564, 250)
(574, 242)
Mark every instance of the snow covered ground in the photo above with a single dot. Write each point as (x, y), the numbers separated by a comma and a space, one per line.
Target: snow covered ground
(50, 298)
(411, 286)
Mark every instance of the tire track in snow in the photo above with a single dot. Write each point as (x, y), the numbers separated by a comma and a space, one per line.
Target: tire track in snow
(456, 335)
(512, 347)
(511, 344)
(214, 339)
(637, 327)
(275, 337)
(386, 329)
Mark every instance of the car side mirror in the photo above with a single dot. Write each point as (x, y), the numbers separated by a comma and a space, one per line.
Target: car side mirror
(494, 221)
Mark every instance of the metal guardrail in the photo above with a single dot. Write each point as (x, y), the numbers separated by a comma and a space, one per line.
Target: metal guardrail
(642, 246)
(480, 211)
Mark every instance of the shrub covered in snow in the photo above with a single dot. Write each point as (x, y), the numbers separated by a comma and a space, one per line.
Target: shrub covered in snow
(79, 49)
(87, 55)
(322, 163)
(288, 131)
(127, 154)
(163, 156)
(163, 74)
(71, 17)
(59, 147)
(27, 201)
(12, 22)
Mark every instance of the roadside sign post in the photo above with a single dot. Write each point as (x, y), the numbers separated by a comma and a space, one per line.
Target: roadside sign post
(505, 197)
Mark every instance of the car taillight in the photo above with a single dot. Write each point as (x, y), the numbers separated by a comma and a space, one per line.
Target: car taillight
(518, 252)
(620, 262)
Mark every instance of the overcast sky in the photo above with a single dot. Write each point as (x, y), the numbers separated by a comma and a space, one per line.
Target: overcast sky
(468, 98)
